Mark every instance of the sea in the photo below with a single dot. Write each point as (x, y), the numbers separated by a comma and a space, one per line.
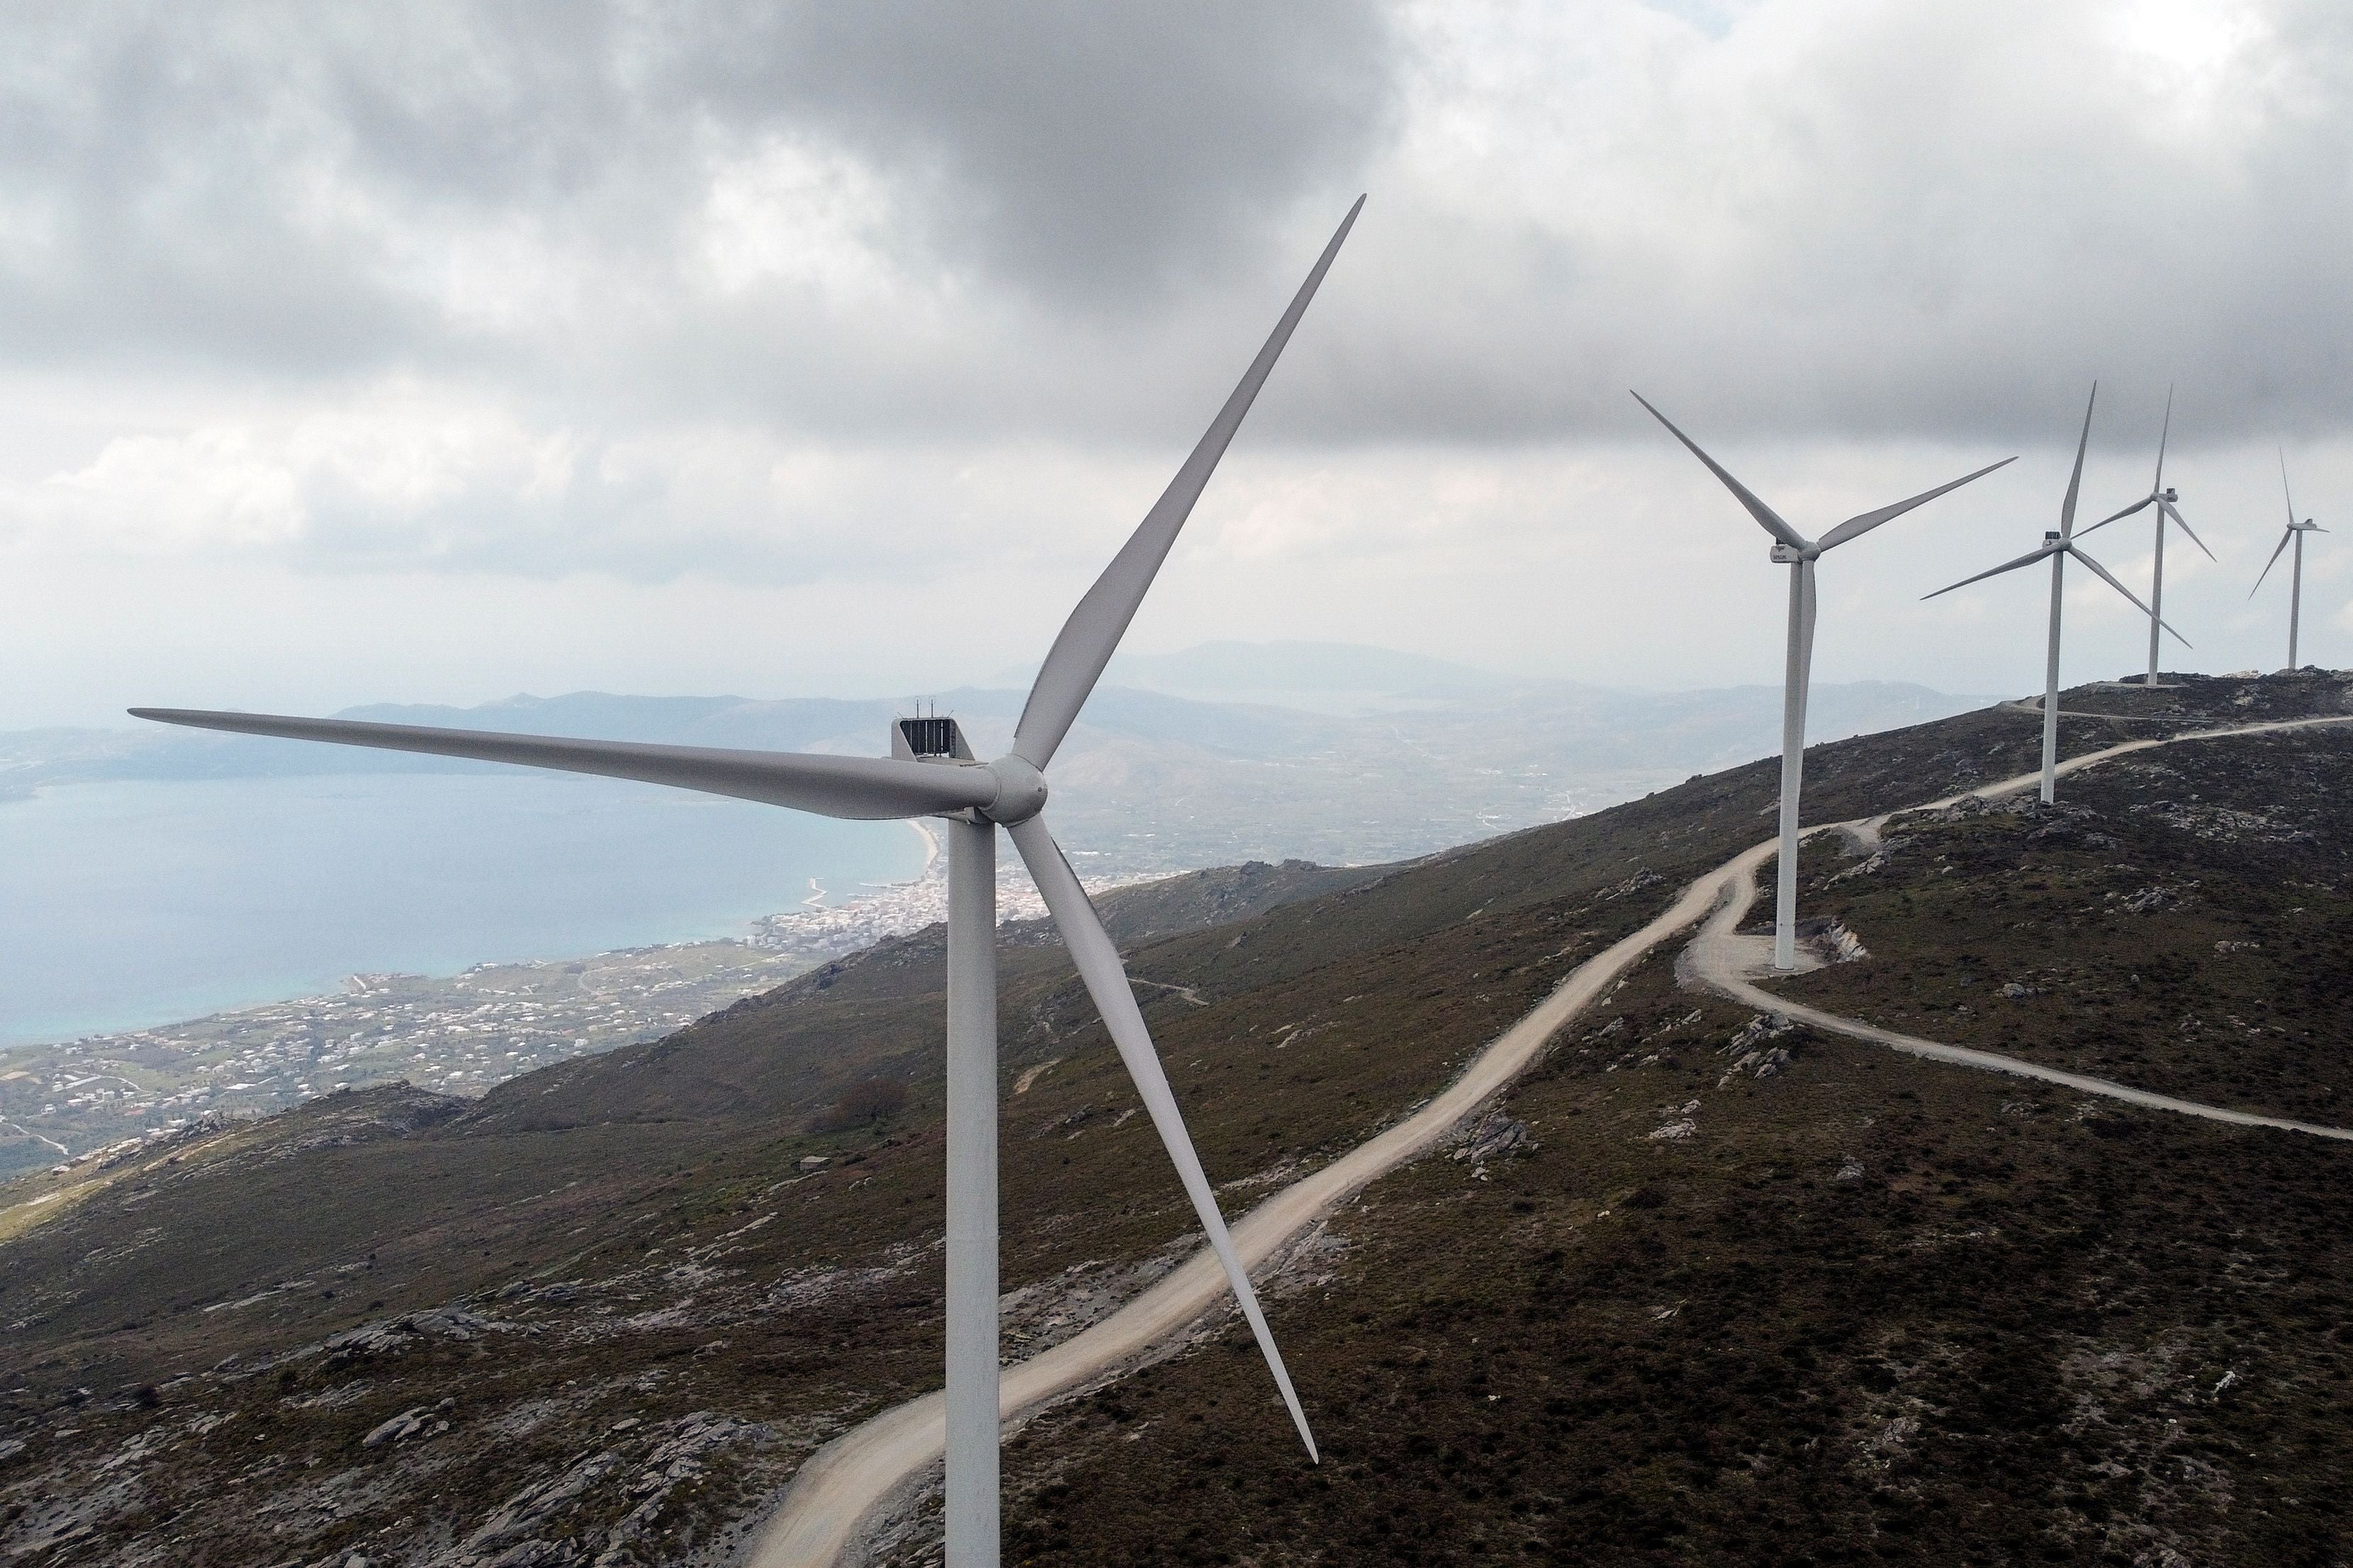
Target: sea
(126, 905)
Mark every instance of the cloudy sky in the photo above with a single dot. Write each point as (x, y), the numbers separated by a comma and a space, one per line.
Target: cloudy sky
(441, 352)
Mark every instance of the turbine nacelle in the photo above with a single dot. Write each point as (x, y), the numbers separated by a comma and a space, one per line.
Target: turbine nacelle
(1020, 787)
(1790, 555)
(927, 738)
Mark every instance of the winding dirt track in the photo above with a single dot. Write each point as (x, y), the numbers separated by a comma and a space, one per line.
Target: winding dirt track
(1719, 961)
(824, 1517)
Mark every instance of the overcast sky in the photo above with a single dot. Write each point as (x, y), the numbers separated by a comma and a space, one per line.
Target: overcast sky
(437, 351)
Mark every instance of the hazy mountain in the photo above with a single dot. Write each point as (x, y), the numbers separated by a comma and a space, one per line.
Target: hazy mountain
(1320, 676)
(1372, 754)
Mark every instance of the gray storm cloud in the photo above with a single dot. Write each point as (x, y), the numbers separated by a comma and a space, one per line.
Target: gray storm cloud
(313, 192)
(894, 222)
(789, 291)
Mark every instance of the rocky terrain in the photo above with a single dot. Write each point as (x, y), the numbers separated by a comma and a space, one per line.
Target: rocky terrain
(1701, 1289)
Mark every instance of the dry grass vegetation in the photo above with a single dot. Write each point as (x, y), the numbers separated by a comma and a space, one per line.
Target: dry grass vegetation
(2181, 921)
(1829, 1305)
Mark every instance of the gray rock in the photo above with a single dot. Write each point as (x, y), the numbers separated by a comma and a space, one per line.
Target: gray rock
(399, 1427)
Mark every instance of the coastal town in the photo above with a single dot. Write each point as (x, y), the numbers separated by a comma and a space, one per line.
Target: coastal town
(458, 1034)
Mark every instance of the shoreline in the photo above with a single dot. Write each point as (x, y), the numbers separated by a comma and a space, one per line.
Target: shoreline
(141, 904)
(748, 937)
(923, 830)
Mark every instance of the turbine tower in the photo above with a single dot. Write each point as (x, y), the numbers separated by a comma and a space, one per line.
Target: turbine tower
(933, 773)
(2058, 546)
(2295, 530)
(2162, 500)
(1797, 552)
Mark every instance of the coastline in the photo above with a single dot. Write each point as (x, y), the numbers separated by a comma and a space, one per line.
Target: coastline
(931, 838)
(137, 905)
(98, 1091)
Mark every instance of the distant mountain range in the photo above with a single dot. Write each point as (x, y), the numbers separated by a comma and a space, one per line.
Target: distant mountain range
(1332, 751)
(1348, 678)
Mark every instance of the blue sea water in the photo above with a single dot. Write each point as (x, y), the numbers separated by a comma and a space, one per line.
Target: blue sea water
(131, 904)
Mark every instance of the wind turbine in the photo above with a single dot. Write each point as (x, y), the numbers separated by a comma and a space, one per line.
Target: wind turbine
(2162, 500)
(2295, 530)
(1797, 552)
(933, 773)
(2058, 546)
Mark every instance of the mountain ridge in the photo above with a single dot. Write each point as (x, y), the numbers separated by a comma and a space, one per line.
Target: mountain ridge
(1645, 1306)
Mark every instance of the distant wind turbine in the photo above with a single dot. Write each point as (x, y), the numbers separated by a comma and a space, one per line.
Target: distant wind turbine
(2295, 530)
(1797, 552)
(2058, 546)
(2162, 500)
(932, 772)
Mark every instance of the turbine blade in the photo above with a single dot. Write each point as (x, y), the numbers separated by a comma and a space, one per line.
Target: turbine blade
(2075, 480)
(1856, 527)
(2164, 431)
(2106, 577)
(2183, 523)
(2118, 516)
(1106, 981)
(1087, 640)
(1765, 515)
(2285, 493)
(2029, 558)
(2266, 572)
(855, 787)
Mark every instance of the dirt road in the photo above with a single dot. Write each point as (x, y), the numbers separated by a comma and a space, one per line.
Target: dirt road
(851, 1485)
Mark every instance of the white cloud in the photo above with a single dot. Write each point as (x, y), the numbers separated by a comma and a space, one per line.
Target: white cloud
(881, 336)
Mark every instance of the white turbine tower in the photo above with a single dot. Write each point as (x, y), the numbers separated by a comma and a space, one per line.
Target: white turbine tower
(2295, 530)
(1795, 551)
(2162, 500)
(2058, 546)
(932, 772)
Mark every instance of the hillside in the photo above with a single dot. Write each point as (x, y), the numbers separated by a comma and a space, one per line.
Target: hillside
(1760, 1295)
(1716, 1307)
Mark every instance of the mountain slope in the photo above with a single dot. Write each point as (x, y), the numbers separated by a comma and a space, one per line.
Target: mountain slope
(1721, 1365)
(1766, 1295)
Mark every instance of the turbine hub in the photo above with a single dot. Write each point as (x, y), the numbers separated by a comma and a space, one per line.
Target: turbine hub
(1020, 791)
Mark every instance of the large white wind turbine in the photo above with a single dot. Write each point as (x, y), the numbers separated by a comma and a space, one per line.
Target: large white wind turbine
(2058, 546)
(1797, 552)
(932, 772)
(2162, 500)
(2295, 530)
